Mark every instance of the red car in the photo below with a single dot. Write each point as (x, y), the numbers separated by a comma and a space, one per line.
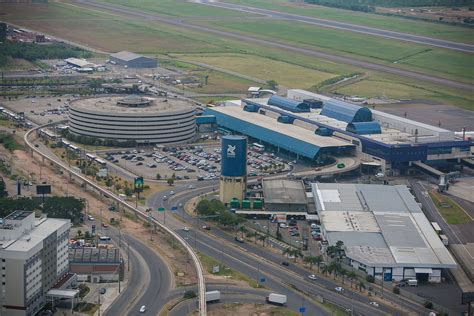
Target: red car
(105, 225)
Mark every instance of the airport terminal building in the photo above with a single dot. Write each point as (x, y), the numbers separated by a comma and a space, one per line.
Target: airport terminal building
(141, 119)
(310, 126)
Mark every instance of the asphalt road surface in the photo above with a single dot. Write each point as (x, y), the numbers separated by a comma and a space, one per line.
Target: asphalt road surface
(257, 263)
(271, 43)
(345, 26)
(149, 282)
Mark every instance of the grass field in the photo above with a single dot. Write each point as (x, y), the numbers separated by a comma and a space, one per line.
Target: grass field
(436, 30)
(451, 211)
(265, 69)
(441, 62)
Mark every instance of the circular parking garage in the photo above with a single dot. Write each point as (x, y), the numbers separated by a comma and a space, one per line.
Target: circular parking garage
(133, 119)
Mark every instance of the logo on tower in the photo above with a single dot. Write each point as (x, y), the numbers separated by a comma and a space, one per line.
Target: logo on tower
(231, 151)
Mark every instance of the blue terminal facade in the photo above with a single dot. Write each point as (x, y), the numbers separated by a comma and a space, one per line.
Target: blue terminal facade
(360, 123)
(234, 156)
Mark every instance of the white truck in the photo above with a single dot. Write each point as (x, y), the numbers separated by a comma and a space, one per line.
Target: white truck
(444, 239)
(213, 296)
(413, 282)
(275, 298)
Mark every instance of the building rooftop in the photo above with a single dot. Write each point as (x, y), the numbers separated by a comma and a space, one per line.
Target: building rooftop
(284, 192)
(126, 56)
(81, 63)
(380, 225)
(108, 105)
(94, 255)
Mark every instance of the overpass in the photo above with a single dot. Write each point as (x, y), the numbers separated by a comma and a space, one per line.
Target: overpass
(130, 207)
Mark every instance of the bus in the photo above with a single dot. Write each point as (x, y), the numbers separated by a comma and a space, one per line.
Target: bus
(101, 161)
(258, 147)
(436, 227)
(90, 157)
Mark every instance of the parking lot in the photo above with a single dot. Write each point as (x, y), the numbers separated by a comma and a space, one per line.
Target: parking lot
(190, 162)
(41, 110)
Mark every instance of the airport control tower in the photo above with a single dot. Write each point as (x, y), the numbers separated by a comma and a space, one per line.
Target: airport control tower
(233, 181)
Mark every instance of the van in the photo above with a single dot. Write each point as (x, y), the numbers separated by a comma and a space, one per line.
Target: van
(413, 282)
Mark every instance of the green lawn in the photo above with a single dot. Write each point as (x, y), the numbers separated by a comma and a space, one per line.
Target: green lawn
(263, 68)
(209, 262)
(436, 30)
(450, 210)
(182, 8)
(450, 64)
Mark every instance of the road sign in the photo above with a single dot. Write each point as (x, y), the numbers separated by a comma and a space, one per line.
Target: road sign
(302, 309)
(161, 209)
(174, 209)
(138, 184)
(216, 269)
(262, 280)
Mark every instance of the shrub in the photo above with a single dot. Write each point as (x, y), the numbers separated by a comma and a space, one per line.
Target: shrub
(428, 304)
(396, 290)
(370, 279)
(189, 294)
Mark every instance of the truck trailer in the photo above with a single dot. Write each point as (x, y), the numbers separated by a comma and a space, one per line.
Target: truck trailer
(275, 298)
(213, 296)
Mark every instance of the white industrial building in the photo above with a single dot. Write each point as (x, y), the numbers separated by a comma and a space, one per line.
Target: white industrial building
(383, 229)
(33, 258)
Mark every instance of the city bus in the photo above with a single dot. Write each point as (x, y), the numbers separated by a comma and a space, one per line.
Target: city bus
(258, 147)
(436, 227)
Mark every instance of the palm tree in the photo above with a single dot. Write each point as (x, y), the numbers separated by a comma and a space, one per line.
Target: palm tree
(297, 253)
(262, 238)
(343, 273)
(243, 230)
(318, 261)
(361, 285)
(310, 260)
(286, 252)
(352, 276)
(334, 268)
(254, 235)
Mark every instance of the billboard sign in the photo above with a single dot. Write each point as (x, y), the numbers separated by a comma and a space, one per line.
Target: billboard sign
(138, 184)
(43, 189)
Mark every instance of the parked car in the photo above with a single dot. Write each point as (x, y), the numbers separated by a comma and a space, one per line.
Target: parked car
(339, 289)
(239, 239)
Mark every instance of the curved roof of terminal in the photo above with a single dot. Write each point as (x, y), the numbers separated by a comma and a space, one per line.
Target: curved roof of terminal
(346, 112)
(364, 128)
(288, 104)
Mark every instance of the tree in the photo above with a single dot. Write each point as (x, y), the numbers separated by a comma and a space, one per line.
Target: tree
(170, 181)
(286, 252)
(297, 253)
(310, 260)
(3, 32)
(361, 286)
(243, 230)
(158, 176)
(3, 188)
(343, 272)
(262, 238)
(352, 276)
(128, 191)
(272, 84)
(318, 260)
(109, 182)
(79, 233)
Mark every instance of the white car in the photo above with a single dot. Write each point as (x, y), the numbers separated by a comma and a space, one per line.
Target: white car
(339, 289)
(374, 304)
(90, 218)
(165, 198)
(312, 277)
(186, 229)
(171, 192)
(283, 225)
(143, 309)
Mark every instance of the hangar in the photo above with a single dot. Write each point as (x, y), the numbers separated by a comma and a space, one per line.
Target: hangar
(132, 60)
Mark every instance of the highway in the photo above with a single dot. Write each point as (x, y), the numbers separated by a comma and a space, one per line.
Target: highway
(344, 26)
(133, 13)
(250, 259)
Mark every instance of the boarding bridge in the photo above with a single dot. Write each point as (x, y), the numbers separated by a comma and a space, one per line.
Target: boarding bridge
(467, 162)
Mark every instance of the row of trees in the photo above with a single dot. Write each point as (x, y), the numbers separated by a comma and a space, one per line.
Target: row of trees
(98, 141)
(54, 206)
(344, 4)
(33, 52)
(216, 210)
(9, 142)
(362, 5)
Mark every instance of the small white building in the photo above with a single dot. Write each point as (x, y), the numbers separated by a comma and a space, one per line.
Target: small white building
(383, 229)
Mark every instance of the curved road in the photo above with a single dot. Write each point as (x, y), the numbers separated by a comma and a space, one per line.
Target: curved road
(272, 43)
(345, 26)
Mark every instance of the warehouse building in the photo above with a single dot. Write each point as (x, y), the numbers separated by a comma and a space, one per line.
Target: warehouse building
(384, 231)
(132, 60)
(96, 265)
(284, 196)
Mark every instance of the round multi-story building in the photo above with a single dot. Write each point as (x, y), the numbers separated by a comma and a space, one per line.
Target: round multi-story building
(134, 118)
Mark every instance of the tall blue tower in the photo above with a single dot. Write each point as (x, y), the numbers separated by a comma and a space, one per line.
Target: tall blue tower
(233, 180)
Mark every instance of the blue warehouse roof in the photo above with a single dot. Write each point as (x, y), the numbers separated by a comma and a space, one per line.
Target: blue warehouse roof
(271, 137)
(288, 104)
(346, 112)
(364, 128)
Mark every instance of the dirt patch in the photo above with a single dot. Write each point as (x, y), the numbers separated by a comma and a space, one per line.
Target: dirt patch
(238, 309)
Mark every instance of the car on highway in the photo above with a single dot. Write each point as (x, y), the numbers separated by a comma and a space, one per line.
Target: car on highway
(312, 277)
(339, 289)
(285, 263)
(143, 309)
(186, 229)
(90, 218)
(239, 239)
(283, 225)
(374, 304)
(165, 198)
(206, 227)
